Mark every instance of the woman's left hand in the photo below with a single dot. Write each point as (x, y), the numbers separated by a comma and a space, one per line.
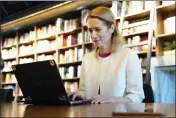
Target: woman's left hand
(103, 99)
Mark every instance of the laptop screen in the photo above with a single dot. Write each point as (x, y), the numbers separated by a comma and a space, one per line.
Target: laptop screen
(40, 81)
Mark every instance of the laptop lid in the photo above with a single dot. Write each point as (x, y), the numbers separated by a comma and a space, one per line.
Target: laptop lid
(41, 82)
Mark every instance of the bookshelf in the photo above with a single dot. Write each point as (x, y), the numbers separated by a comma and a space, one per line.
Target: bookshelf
(165, 29)
(136, 27)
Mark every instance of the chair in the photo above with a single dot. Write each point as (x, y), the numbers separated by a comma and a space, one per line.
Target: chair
(148, 92)
(6, 95)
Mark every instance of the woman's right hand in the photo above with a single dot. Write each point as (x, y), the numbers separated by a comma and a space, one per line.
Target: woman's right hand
(76, 95)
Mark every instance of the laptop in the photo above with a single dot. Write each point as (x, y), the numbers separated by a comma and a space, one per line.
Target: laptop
(41, 83)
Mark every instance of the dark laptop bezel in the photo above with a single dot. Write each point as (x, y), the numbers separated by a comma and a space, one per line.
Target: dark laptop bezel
(32, 91)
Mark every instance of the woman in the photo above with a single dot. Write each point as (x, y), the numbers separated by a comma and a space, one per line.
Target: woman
(110, 73)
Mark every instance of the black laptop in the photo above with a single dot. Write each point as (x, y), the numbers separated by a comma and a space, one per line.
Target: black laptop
(41, 83)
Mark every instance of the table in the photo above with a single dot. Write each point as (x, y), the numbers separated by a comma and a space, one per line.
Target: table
(87, 110)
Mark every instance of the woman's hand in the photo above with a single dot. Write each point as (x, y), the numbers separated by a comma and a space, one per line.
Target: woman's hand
(103, 99)
(76, 95)
(109, 99)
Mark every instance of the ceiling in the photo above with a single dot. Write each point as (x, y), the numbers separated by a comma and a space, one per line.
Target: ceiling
(11, 10)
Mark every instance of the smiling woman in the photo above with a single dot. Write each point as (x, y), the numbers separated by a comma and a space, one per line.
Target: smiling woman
(110, 73)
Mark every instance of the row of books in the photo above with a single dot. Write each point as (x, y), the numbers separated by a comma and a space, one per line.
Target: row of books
(25, 50)
(136, 39)
(168, 22)
(26, 37)
(65, 41)
(26, 60)
(10, 41)
(70, 72)
(43, 57)
(8, 64)
(71, 86)
(46, 45)
(128, 22)
(136, 6)
(46, 31)
(136, 29)
(67, 25)
(71, 55)
(9, 78)
(9, 53)
(87, 36)
(141, 48)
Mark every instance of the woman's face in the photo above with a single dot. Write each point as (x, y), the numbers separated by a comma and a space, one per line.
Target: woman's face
(99, 32)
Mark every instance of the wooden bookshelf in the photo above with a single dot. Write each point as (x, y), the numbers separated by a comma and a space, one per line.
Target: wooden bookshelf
(140, 14)
(8, 47)
(145, 52)
(26, 43)
(136, 45)
(8, 59)
(46, 52)
(137, 33)
(165, 26)
(88, 43)
(136, 24)
(28, 55)
(47, 38)
(71, 32)
(69, 47)
(166, 8)
(167, 36)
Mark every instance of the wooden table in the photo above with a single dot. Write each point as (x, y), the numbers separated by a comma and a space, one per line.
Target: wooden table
(87, 110)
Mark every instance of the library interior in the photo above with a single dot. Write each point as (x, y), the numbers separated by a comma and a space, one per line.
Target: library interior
(72, 38)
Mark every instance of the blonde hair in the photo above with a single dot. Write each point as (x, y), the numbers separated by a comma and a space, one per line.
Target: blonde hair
(105, 14)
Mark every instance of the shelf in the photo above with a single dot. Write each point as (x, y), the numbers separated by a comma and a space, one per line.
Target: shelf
(47, 38)
(88, 43)
(46, 52)
(144, 52)
(8, 47)
(27, 43)
(71, 79)
(70, 63)
(167, 36)
(28, 55)
(72, 46)
(142, 14)
(136, 45)
(71, 32)
(136, 24)
(134, 34)
(9, 83)
(166, 8)
(7, 59)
